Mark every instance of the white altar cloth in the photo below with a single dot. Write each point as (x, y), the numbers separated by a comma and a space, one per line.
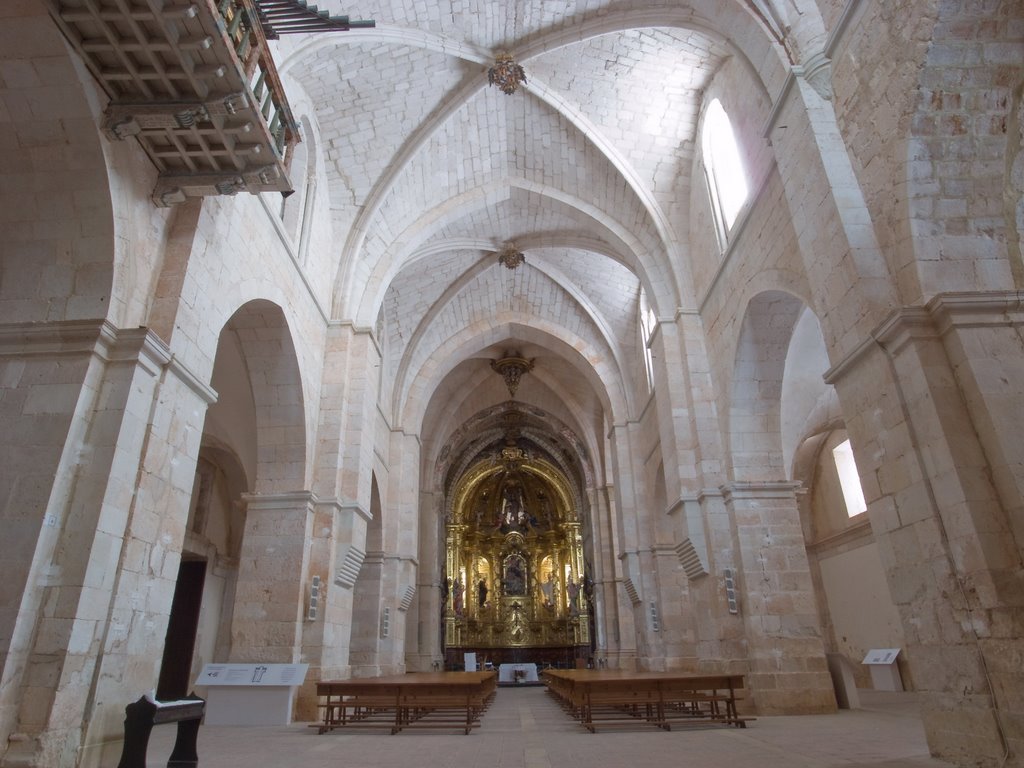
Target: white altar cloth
(507, 673)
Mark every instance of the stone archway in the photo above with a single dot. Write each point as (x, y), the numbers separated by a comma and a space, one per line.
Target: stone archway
(773, 576)
(259, 421)
(755, 443)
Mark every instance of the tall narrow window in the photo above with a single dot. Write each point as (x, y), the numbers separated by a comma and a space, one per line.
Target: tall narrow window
(849, 479)
(727, 182)
(297, 209)
(647, 325)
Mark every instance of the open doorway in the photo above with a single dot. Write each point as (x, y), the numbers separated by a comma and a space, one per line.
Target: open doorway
(176, 667)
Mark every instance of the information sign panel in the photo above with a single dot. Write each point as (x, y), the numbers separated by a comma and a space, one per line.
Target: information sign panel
(250, 694)
(253, 674)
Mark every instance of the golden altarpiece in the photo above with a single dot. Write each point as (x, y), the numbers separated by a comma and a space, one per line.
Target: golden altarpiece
(515, 579)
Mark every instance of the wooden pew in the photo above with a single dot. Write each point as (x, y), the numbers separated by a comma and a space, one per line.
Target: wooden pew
(445, 704)
(371, 703)
(704, 698)
(648, 698)
(621, 702)
(419, 700)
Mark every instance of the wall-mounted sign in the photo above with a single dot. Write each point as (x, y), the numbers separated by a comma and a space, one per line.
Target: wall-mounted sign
(253, 674)
(881, 656)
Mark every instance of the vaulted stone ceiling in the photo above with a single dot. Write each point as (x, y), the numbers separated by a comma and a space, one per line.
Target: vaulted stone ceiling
(587, 168)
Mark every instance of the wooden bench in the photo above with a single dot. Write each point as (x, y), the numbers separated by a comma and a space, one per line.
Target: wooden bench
(648, 698)
(703, 698)
(623, 702)
(444, 706)
(420, 700)
(366, 703)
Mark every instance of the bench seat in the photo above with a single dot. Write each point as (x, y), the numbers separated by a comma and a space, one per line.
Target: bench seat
(446, 700)
(657, 699)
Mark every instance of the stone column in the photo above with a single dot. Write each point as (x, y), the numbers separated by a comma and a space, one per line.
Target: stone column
(634, 552)
(349, 542)
(668, 612)
(788, 673)
(341, 486)
(359, 418)
(940, 406)
(50, 376)
(336, 553)
(401, 540)
(398, 590)
(846, 269)
(271, 593)
(147, 572)
(120, 420)
(721, 634)
(616, 637)
(689, 429)
(367, 612)
(429, 587)
(320, 566)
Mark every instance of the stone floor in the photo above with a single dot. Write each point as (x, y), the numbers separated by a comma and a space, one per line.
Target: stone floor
(524, 728)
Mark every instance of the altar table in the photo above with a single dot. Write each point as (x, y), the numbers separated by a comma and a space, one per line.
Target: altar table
(518, 673)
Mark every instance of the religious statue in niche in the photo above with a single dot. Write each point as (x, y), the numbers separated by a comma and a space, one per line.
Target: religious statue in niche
(513, 510)
(457, 597)
(549, 588)
(482, 517)
(481, 593)
(573, 590)
(545, 516)
(517, 623)
(515, 575)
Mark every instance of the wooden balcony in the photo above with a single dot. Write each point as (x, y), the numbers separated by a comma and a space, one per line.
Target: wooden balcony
(193, 82)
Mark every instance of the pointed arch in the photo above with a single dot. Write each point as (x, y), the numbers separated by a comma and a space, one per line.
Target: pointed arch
(755, 442)
(259, 333)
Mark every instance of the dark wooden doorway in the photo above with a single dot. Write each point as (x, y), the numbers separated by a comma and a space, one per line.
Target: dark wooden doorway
(180, 642)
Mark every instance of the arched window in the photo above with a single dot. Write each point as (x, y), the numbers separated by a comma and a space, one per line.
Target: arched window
(297, 209)
(727, 182)
(849, 479)
(647, 325)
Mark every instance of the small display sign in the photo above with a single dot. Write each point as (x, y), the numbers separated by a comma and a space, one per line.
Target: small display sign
(253, 674)
(881, 656)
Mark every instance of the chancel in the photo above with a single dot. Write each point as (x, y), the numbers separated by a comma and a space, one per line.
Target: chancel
(515, 523)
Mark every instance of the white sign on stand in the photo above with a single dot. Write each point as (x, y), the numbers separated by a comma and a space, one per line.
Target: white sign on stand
(250, 694)
(885, 675)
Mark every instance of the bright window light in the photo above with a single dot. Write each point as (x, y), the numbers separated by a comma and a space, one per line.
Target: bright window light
(722, 162)
(647, 323)
(849, 479)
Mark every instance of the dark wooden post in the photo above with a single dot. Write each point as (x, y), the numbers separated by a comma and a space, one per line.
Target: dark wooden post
(142, 715)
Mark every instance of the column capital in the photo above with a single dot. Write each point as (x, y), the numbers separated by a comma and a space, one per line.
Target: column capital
(285, 500)
(942, 314)
(350, 326)
(760, 489)
(696, 497)
(99, 337)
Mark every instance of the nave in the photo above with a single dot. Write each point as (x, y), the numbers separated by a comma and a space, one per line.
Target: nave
(525, 728)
